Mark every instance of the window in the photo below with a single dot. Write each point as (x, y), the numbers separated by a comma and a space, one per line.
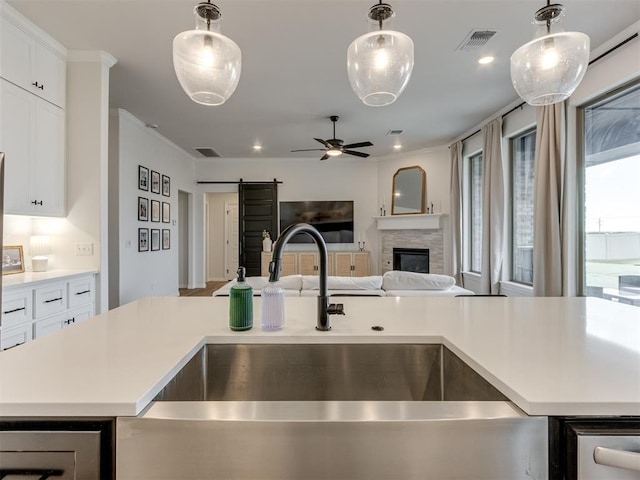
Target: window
(611, 215)
(522, 171)
(474, 208)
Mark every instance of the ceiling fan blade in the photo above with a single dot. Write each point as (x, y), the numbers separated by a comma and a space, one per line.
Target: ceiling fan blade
(310, 150)
(359, 145)
(325, 143)
(357, 154)
(324, 157)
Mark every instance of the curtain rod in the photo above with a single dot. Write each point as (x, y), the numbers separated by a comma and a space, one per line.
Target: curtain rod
(612, 49)
(236, 182)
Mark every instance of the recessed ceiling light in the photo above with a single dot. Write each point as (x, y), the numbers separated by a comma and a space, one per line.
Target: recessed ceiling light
(485, 60)
(257, 148)
(397, 146)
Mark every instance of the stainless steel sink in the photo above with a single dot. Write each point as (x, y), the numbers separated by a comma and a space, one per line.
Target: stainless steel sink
(259, 372)
(334, 411)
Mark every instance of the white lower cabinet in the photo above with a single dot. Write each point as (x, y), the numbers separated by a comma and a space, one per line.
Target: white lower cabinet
(33, 312)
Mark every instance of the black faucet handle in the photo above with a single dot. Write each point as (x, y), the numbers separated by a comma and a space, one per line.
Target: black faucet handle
(335, 309)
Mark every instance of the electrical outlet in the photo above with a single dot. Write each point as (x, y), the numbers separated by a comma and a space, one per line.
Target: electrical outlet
(84, 248)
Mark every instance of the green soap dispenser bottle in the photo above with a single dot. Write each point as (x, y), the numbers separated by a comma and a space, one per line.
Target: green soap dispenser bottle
(241, 304)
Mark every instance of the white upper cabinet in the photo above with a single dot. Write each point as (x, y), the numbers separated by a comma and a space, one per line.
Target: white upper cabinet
(31, 63)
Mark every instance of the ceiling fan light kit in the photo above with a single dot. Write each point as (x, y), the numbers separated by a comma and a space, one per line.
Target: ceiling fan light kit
(379, 63)
(207, 63)
(548, 69)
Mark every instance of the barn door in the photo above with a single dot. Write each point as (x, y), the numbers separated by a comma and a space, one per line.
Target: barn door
(258, 212)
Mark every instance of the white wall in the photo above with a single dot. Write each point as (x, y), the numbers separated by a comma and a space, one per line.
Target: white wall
(152, 273)
(341, 178)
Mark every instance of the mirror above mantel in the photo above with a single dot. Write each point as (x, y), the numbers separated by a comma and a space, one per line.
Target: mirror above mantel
(408, 191)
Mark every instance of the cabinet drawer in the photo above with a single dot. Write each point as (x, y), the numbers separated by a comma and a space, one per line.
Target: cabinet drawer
(49, 325)
(12, 337)
(49, 300)
(81, 291)
(16, 308)
(79, 314)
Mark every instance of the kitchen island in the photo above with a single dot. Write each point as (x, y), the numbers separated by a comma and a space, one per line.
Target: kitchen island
(551, 357)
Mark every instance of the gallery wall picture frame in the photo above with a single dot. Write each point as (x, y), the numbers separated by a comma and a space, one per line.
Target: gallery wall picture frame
(166, 212)
(12, 260)
(143, 239)
(166, 186)
(143, 209)
(155, 239)
(166, 239)
(143, 178)
(155, 210)
(155, 182)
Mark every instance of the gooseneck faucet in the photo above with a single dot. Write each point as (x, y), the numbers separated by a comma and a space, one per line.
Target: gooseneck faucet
(324, 308)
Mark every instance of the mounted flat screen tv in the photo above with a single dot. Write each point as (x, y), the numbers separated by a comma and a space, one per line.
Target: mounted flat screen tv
(333, 219)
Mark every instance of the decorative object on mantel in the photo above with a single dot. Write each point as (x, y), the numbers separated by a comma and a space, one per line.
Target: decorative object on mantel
(266, 241)
(206, 62)
(12, 260)
(408, 191)
(39, 247)
(361, 242)
(549, 68)
(379, 63)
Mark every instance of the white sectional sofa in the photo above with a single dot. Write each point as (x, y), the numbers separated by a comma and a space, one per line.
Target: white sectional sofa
(391, 284)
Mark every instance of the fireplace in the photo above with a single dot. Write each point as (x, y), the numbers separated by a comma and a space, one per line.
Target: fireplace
(411, 259)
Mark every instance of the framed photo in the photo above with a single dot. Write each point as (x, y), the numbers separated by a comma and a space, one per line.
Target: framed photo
(166, 212)
(143, 178)
(12, 260)
(155, 182)
(155, 239)
(166, 186)
(155, 210)
(143, 209)
(166, 239)
(143, 239)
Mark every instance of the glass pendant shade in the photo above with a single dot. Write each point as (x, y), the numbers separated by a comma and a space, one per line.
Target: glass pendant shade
(206, 63)
(549, 68)
(379, 65)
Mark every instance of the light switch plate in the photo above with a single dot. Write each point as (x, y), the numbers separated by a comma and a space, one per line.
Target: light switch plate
(84, 248)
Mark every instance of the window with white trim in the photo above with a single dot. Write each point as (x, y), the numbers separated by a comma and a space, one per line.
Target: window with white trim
(474, 209)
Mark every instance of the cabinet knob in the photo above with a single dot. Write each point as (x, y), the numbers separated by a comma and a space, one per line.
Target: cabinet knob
(37, 202)
(35, 84)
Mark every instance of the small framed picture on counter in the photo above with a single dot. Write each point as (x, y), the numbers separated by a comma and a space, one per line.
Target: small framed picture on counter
(12, 260)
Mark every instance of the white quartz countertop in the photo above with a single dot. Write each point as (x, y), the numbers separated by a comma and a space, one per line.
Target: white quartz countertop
(550, 356)
(27, 279)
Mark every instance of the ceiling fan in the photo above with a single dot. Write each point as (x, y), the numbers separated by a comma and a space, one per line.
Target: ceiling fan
(334, 146)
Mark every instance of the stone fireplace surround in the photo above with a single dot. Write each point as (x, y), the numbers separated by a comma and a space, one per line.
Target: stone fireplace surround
(412, 231)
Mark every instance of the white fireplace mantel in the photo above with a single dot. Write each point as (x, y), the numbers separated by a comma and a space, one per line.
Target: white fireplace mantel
(428, 221)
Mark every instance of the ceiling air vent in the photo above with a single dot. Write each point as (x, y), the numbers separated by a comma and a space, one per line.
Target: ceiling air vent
(394, 132)
(476, 39)
(207, 152)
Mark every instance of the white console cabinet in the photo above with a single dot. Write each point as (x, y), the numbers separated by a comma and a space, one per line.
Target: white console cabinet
(34, 309)
(32, 118)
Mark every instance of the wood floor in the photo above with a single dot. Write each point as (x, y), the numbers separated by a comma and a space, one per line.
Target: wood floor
(201, 292)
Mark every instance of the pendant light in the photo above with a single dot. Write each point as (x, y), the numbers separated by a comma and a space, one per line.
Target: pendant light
(549, 68)
(206, 62)
(379, 63)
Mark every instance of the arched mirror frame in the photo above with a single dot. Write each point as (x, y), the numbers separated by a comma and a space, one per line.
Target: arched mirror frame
(423, 182)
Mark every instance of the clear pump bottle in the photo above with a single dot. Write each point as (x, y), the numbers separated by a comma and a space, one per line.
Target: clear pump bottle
(272, 307)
